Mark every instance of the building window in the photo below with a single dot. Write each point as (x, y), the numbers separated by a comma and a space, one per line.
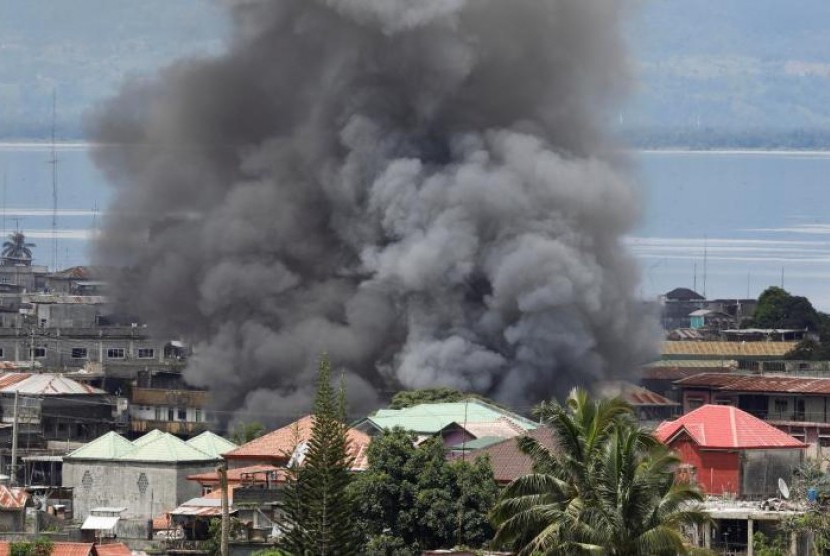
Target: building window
(197, 415)
(146, 353)
(780, 407)
(694, 402)
(160, 411)
(2, 353)
(182, 414)
(115, 353)
(723, 401)
(38, 352)
(171, 414)
(79, 353)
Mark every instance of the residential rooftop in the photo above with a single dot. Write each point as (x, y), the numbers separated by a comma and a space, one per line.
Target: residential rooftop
(725, 427)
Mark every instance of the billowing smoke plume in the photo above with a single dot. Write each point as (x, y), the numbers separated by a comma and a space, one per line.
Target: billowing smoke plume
(419, 188)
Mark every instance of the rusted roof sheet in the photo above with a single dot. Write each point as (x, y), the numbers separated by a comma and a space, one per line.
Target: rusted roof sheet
(507, 461)
(162, 396)
(10, 379)
(46, 384)
(278, 445)
(643, 397)
(633, 394)
(13, 498)
(725, 427)
(202, 507)
(779, 384)
(732, 350)
(236, 475)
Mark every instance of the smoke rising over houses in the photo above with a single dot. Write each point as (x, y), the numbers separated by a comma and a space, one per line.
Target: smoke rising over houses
(420, 189)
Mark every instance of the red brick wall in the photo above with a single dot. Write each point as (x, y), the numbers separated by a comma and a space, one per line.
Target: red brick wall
(717, 471)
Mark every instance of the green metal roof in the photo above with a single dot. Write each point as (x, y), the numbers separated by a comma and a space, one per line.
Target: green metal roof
(478, 443)
(430, 418)
(108, 446)
(149, 437)
(212, 444)
(166, 448)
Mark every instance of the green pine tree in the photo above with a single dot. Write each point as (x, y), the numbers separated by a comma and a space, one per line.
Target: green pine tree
(318, 506)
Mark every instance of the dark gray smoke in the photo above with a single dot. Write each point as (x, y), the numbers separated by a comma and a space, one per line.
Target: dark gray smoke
(419, 188)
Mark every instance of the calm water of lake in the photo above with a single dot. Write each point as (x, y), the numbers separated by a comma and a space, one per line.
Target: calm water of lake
(754, 214)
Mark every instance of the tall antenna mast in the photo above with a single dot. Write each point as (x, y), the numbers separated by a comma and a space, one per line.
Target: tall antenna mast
(705, 257)
(54, 162)
(4, 204)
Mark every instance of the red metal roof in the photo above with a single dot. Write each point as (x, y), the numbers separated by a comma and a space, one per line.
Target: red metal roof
(278, 445)
(758, 383)
(13, 498)
(725, 427)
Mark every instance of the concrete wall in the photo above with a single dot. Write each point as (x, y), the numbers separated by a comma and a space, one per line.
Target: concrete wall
(12, 520)
(120, 484)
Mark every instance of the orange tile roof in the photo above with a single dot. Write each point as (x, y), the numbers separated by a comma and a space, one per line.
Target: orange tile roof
(725, 427)
(278, 445)
(113, 549)
(729, 349)
(59, 549)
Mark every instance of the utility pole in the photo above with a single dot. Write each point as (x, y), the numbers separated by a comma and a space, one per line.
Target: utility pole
(13, 471)
(223, 483)
(31, 350)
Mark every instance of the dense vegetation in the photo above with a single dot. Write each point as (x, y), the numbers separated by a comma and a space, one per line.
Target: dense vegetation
(319, 507)
(608, 487)
(412, 499)
(777, 308)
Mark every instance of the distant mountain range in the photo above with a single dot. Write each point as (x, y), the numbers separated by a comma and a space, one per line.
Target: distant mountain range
(709, 73)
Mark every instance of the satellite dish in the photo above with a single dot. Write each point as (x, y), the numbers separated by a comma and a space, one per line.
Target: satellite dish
(783, 488)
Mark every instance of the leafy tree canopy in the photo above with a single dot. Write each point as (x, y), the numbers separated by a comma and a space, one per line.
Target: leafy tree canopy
(609, 488)
(778, 309)
(245, 432)
(440, 394)
(412, 499)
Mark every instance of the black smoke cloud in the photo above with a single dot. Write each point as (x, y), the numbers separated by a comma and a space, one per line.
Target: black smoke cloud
(422, 189)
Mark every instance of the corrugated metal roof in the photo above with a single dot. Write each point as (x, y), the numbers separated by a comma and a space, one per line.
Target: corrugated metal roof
(149, 437)
(9, 379)
(725, 427)
(729, 349)
(100, 522)
(12, 498)
(734, 382)
(212, 444)
(166, 448)
(108, 446)
(633, 394)
(507, 461)
(235, 475)
(430, 418)
(47, 384)
(203, 507)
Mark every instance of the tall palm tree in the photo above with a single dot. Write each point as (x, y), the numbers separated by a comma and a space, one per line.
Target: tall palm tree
(17, 250)
(607, 487)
